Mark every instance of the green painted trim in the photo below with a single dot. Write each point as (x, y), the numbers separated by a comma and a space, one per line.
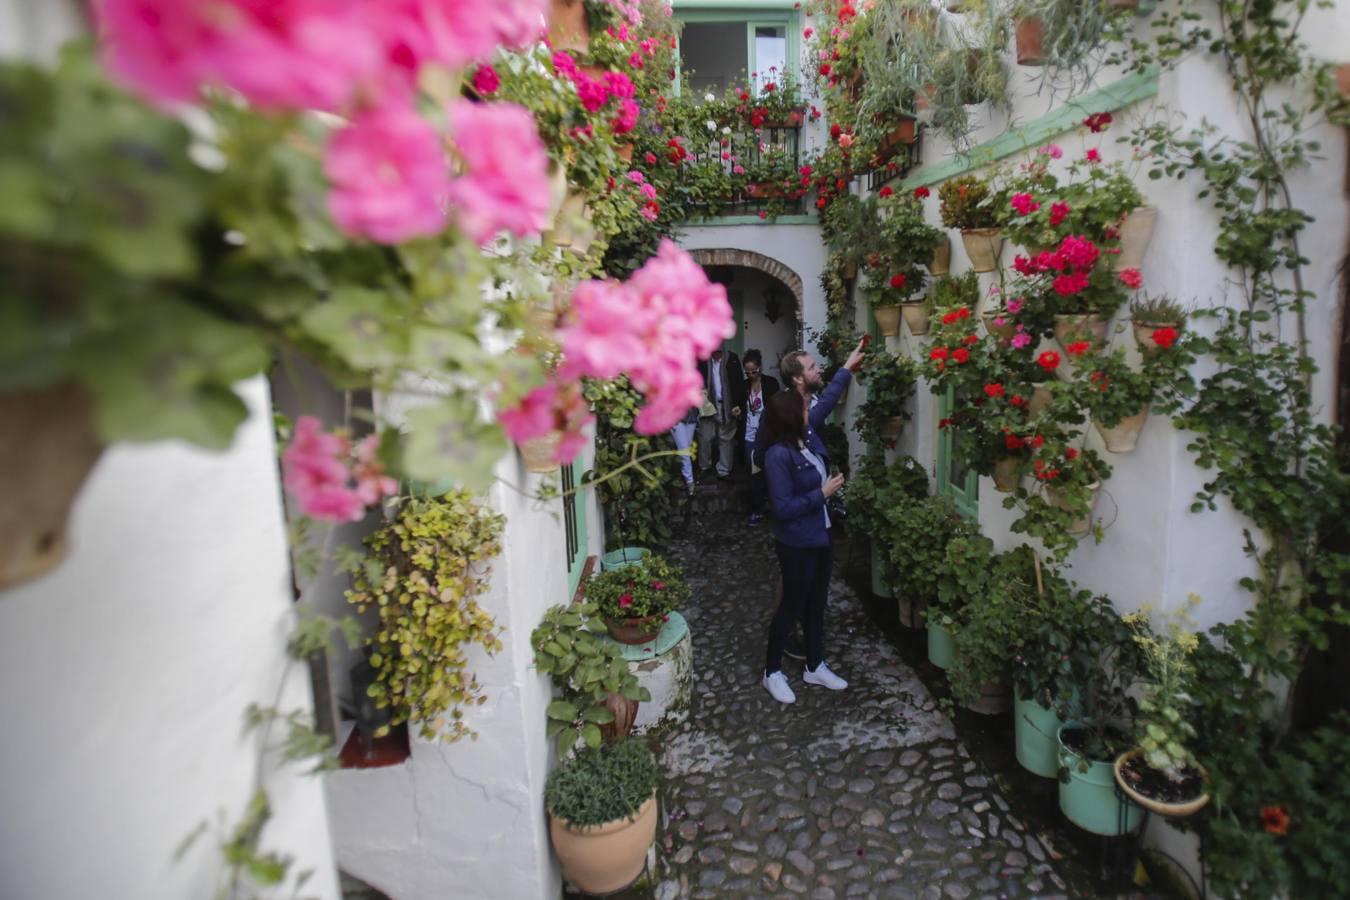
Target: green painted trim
(763, 16)
(680, 6)
(966, 497)
(1117, 95)
(579, 500)
(750, 220)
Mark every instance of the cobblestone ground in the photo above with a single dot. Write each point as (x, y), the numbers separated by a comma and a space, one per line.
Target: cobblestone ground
(860, 793)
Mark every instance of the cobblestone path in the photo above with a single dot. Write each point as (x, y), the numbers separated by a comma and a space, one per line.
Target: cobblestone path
(860, 793)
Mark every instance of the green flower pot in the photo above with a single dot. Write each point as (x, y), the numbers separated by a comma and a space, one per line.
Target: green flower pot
(1037, 734)
(941, 647)
(623, 558)
(1090, 799)
(879, 586)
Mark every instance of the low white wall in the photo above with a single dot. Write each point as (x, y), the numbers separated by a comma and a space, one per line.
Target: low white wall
(125, 673)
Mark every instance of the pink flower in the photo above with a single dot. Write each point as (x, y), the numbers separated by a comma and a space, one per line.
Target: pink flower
(648, 191)
(389, 176)
(650, 210)
(605, 331)
(625, 600)
(1068, 285)
(533, 417)
(372, 484)
(1058, 211)
(1131, 278)
(455, 33)
(315, 473)
(565, 65)
(1020, 340)
(1079, 252)
(845, 140)
(1024, 204)
(505, 185)
(626, 118)
(592, 91)
(1051, 150)
(486, 81)
(1014, 306)
(1093, 156)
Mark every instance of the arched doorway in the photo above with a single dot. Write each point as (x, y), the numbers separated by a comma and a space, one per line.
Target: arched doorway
(766, 298)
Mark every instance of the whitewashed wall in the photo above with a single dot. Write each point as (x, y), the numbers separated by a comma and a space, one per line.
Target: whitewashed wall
(125, 674)
(467, 819)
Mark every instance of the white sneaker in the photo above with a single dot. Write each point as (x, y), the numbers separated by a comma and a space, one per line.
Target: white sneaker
(825, 678)
(777, 686)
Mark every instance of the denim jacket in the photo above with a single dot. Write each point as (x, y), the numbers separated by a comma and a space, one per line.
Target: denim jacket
(825, 404)
(796, 498)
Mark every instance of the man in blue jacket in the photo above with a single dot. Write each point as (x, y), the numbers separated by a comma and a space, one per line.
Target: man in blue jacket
(801, 372)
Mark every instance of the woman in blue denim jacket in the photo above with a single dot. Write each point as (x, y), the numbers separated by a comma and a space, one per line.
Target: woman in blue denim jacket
(799, 482)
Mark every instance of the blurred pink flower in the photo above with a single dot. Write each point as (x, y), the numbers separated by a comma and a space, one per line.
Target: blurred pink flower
(316, 474)
(1131, 278)
(1058, 211)
(605, 331)
(505, 184)
(455, 32)
(486, 81)
(626, 117)
(372, 484)
(532, 417)
(1020, 340)
(389, 176)
(1051, 150)
(694, 311)
(1014, 306)
(648, 191)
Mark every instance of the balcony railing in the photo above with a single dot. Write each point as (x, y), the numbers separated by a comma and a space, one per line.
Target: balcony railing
(744, 151)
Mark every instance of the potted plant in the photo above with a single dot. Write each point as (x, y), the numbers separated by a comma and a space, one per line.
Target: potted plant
(1161, 773)
(890, 380)
(922, 529)
(1117, 397)
(874, 491)
(968, 204)
(425, 570)
(602, 814)
(636, 601)
(597, 696)
(1151, 315)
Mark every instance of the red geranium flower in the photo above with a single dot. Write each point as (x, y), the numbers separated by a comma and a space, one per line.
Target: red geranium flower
(1098, 122)
(821, 202)
(1049, 360)
(835, 130)
(995, 390)
(625, 601)
(898, 281)
(949, 318)
(1165, 337)
(1016, 400)
(1131, 278)
(1070, 453)
(825, 69)
(972, 340)
(1058, 211)
(963, 313)
(943, 423)
(938, 353)
(1078, 348)
(1275, 819)
(1013, 442)
(920, 193)
(960, 354)
(1037, 442)
(885, 192)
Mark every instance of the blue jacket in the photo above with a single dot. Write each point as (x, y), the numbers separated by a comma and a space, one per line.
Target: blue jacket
(796, 498)
(825, 404)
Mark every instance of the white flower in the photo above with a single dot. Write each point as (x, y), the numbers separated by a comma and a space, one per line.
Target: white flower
(709, 97)
(712, 126)
(726, 129)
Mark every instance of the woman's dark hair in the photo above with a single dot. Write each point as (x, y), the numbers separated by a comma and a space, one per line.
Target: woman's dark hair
(753, 356)
(784, 419)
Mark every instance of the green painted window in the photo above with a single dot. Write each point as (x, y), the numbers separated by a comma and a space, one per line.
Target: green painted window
(954, 479)
(574, 526)
(722, 48)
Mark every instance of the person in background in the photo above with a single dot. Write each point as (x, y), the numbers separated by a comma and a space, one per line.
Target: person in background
(758, 389)
(683, 435)
(799, 484)
(724, 381)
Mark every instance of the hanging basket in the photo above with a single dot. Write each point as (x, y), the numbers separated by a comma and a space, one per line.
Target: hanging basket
(567, 26)
(890, 429)
(1161, 807)
(941, 263)
(1030, 37)
(982, 246)
(51, 447)
(917, 317)
(1124, 436)
(541, 453)
(888, 319)
(1135, 234)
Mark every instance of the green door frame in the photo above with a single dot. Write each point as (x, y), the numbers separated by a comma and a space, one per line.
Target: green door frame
(574, 524)
(967, 495)
(770, 14)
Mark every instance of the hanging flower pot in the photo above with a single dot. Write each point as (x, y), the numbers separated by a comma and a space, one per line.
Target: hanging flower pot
(1040, 399)
(916, 316)
(998, 323)
(567, 26)
(1089, 798)
(604, 859)
(1135, 234)
(941, 263)
(49, 452)
(891, 428)
(1007, 474)
(1123, 437)
(850, 269)
(1140, 783)
(982, 246)
(636, 630)
(625, 714)
(1144, 335)
(1030, 37)
(541, 453)
(573, 228)
(888, 319)
(1056, 498)
(1071, 329)
(903, 134)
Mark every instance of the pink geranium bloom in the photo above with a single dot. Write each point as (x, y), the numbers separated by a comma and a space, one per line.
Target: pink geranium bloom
(1014, 306)
(505, 184)
(648, 191)
(1024, 204)
(695, 310)
(1079, 252)
(315, 472)
(531, 418)
(1070, 284)
(1093, 155)
(1051, 150)
(389, 176)
(605, 331)
(1131, 278)
(455, 33)
(1058, 211)
(486, 81)
(372, 484)
(626, 118)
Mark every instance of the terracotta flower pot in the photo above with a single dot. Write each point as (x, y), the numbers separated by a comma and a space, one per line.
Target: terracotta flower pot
(1143, 334)
(625, 714)
(1030, 37)
(994, 699)
(917, 317)
(1007, 474)
(50, 449)
(903, 134)
(541, 453)
(888, 319)
(982, 246)
(1040, 399)
(636, 630)
(574, 228)
(1078, 526)
(1342, 75)
(1003, 332)
(603, 859)
(567, 26)
(1123, 437)
(1161, 807)
(891, 428)
(1071, 329)
(941, 263)
(850, 270)
(1135, 234)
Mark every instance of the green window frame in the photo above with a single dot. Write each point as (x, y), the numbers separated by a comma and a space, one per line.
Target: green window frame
(768, 13)
(574, 525)
(954, 480)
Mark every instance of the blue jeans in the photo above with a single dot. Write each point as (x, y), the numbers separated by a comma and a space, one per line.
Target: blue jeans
(806, 586)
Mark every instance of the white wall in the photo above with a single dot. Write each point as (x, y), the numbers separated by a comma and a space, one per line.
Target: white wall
(125, 673)
(772, 339)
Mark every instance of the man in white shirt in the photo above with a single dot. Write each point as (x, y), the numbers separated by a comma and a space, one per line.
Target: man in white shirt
(719, 420)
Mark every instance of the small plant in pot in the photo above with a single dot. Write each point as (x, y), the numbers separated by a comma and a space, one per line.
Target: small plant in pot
(1161, 774)
(597, 695)
(636, 601)
(890, 382)
(1152, 315)
(970, 205)
(602, 814)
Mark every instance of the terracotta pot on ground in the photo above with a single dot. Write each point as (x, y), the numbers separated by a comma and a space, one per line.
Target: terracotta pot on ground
(888, 319)
(994, 699)
(1135, 233)
(603, 859)
(1030, 36)
(941, 263)
(1124, 436)
(1040, 399)
(1007, 474)
(982, 246)
(1077, 526)
(625, 714)
(50, 449)
(1161, 807)
(540, 454)
(1143, 334)
(636, 630)
(917, 317)
(567, 27)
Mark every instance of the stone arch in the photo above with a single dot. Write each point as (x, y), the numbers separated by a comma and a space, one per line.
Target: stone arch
(752, 260)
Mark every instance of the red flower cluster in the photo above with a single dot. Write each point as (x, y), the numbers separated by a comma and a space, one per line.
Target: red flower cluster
(1070, 453)
(921, 192)
(1098, 122)
(955, 315)
(1165, 337)
(676, 152)
(995, 390)
(1013, 442)
(1078, 348)
(1049, 360)
(885, 192)
(1275, 819)
(960, 355)
(1044, 472)
(898, 281)
(1058, 210)
(1101, 380)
